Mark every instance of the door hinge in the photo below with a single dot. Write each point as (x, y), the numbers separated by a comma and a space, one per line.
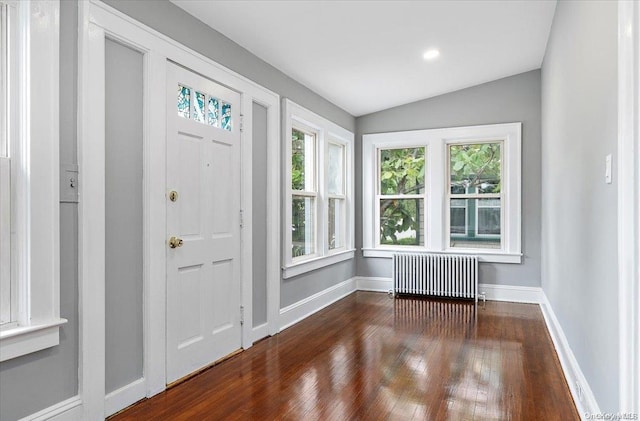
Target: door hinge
(241, 218)
(241, 122)
(241, 315)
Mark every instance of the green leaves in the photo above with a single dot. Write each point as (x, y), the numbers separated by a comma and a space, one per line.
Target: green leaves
(402, 172)
(475, 168)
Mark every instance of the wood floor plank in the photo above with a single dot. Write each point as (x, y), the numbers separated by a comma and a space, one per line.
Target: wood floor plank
(370, 357)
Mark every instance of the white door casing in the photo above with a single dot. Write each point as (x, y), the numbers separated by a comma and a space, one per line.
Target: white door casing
(97, 20)
(204, 274)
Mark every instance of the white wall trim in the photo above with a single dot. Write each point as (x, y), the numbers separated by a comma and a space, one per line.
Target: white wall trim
(91, 210)
(512, 293)
(34, 259)
(125, 396)
(584, 400)
(628, 180)
(387, 252)
(316, 263)
(67, 410)
(97, 21)
(259, 332)
(375, 284)
(302, 309)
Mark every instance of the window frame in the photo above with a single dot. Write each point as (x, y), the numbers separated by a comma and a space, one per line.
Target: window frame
(34, 147)
(340, 197)
(326, 132)
(437, 210)
(473, 196)
(313, 191)
(379, 196)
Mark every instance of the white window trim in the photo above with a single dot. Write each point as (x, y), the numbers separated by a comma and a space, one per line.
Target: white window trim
(326, 132)
(436, 219)
(35, 201)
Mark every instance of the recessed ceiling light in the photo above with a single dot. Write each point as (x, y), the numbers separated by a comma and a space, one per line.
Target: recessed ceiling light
(431, 54)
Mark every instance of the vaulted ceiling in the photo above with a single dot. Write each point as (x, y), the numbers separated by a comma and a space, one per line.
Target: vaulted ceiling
(366, 56)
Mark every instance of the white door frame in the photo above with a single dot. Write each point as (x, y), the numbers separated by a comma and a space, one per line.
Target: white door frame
(629, 204)
(98, 21)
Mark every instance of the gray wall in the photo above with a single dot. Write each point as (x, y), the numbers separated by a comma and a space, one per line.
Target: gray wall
(579, 211)
(512, 99)
(36, 381)
(259, 185)
(123, 166)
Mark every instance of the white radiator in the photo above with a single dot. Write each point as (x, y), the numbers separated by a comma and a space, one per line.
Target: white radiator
(442, 275)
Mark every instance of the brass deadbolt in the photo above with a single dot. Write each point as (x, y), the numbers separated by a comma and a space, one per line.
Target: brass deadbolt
(173, 195)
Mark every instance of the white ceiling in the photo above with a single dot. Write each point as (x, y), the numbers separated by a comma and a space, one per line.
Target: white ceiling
(366, 56)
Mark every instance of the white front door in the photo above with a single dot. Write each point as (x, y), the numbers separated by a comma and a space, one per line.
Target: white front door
(203, 218)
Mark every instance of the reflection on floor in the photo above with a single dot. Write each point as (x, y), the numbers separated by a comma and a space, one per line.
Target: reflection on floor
(372, 357)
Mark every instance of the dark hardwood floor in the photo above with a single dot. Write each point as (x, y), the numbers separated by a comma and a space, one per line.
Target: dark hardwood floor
(370, 357)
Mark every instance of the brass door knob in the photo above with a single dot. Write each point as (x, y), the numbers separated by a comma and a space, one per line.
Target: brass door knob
(175, 242)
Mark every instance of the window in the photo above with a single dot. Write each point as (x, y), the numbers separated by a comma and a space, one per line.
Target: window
(451, 190)
(318, 191)
(475, 175)
(304, 193)
(401, 196)
(29, 183)
(5, 175)
(203, 108)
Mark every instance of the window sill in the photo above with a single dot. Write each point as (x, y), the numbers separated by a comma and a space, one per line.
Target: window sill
(483, 256)
(22, 340)
(316, 263)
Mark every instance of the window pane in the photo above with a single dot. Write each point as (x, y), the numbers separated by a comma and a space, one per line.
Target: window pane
(184, 101)
(475, 168)
(212, 112)
(199, 108)
(336, 221)
(401, 221)
(479, 227)
(458, 216)
(303, 226)
(226, 116)
(336, 169)
(489, 217)
(402, 171)
(302, 161)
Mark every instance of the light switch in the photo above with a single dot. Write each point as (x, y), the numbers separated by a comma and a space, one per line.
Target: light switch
(607, 169)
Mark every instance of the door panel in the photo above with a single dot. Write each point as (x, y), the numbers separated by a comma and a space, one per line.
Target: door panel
(203, 274)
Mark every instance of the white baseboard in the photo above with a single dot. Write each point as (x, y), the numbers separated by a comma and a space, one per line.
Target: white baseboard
(259, 332)
(296, 312)
(125, 396)
(67, 410)
(585, 401)
(376, 284)
(511, 293)
(516, 294)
